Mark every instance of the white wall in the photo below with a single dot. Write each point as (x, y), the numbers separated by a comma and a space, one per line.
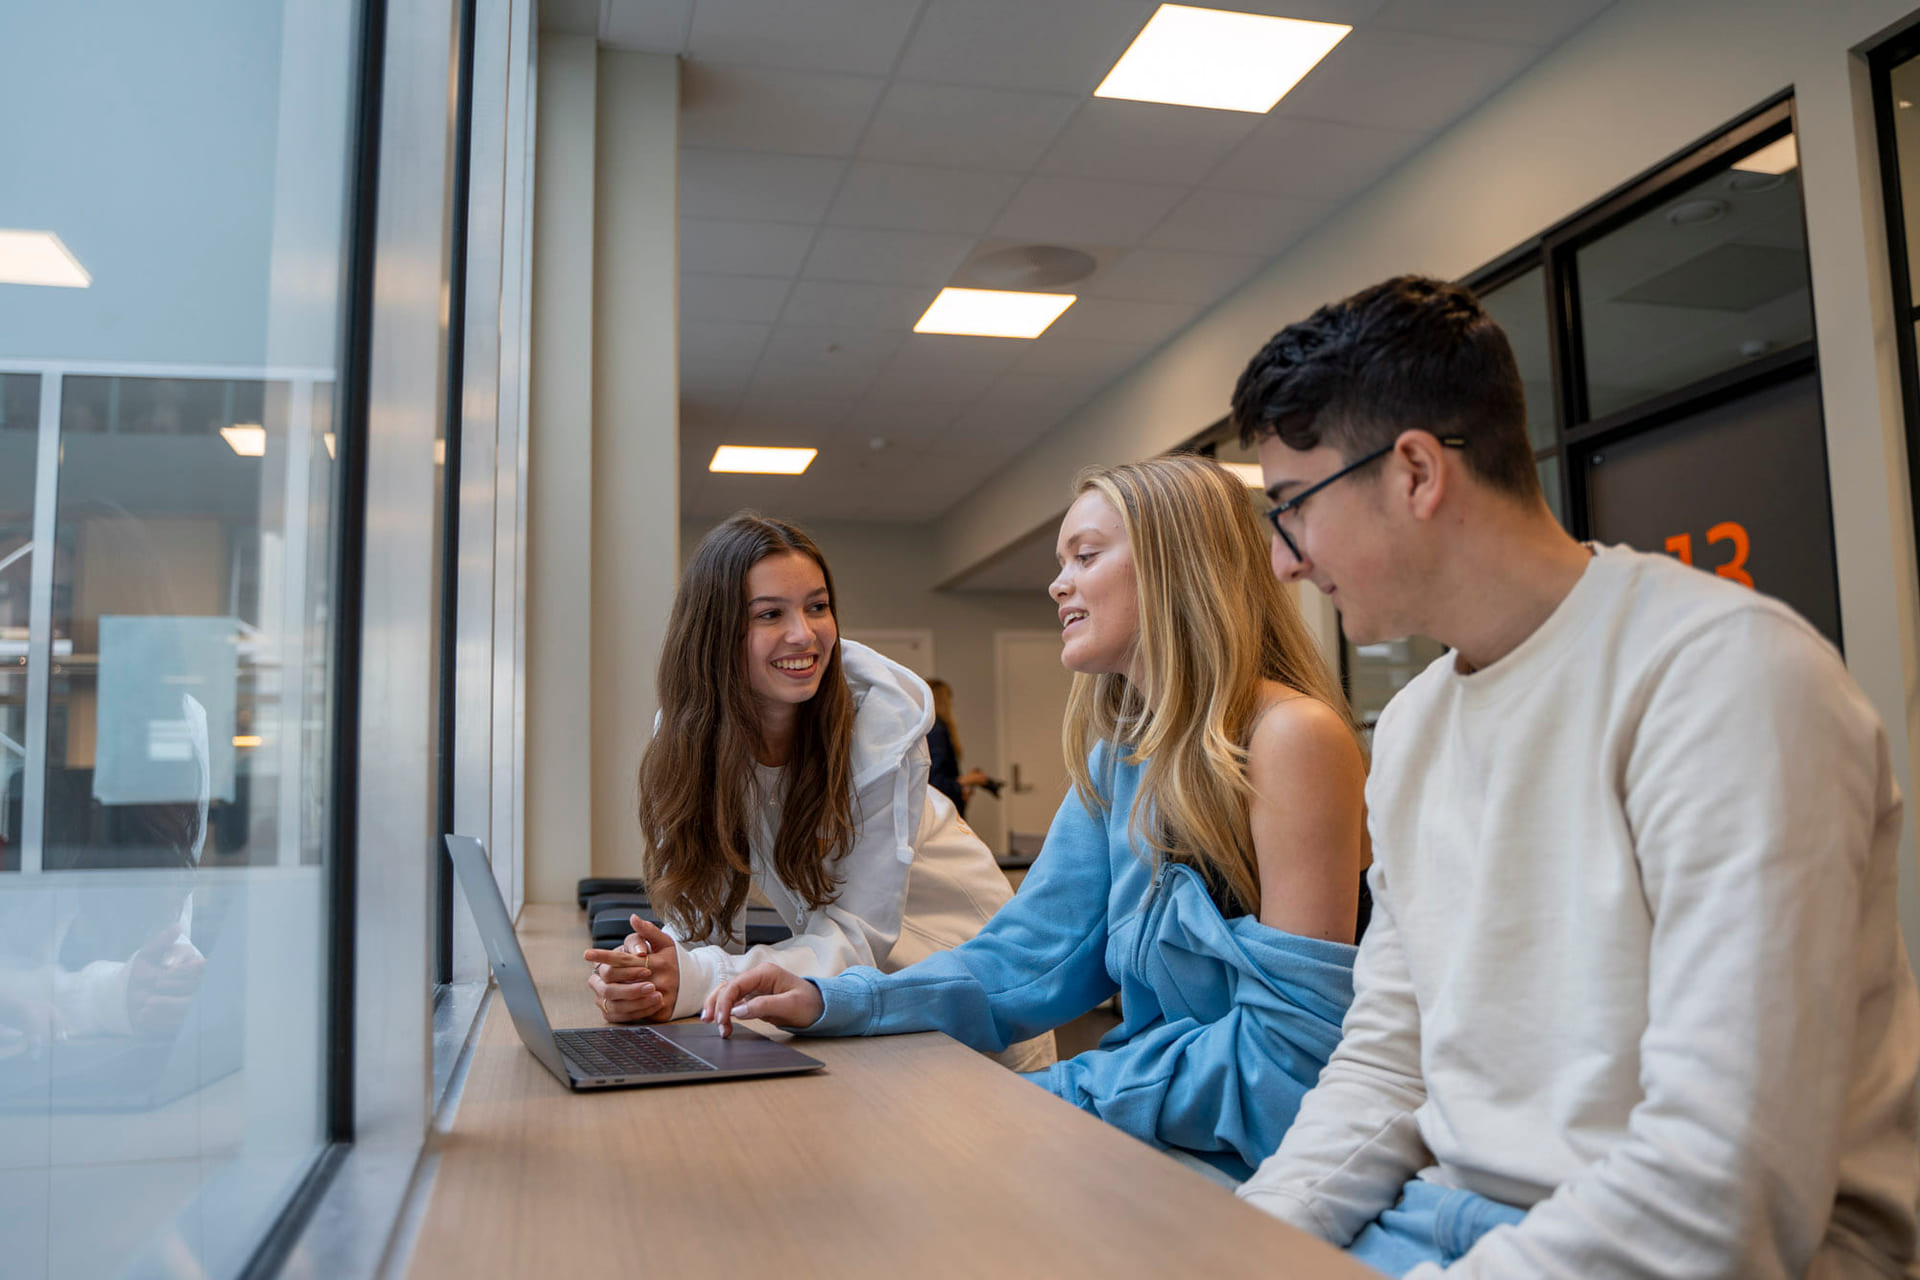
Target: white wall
(560, 476)
(636, 428)
(883, 577)
(603, 509)
(1643, 80)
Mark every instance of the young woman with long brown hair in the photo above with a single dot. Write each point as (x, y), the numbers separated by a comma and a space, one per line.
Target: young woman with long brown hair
(790, 760)
(1206, 865)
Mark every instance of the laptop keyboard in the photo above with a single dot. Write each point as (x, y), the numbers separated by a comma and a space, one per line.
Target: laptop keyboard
(640, 1052)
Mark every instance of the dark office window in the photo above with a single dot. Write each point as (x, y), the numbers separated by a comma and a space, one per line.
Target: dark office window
(1520, 306)
(1712, 277)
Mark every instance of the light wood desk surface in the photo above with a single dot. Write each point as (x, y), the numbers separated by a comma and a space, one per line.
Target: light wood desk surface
(909, 1156)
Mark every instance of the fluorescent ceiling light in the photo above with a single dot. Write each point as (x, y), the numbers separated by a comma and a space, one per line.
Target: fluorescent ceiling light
(249, 439)
(993, 313)
(246, 739)
(38, 257)
(327, 438)
(1247, 473)
(1212, 58)
(1776, 157)
(748, 460)
(440, 452)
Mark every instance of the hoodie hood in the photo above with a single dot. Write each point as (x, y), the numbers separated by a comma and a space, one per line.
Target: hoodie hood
(893, 709)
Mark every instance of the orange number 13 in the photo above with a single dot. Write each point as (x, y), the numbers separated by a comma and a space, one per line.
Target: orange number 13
(1681, 545)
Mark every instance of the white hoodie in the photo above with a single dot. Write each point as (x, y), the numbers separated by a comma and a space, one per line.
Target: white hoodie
(917, 879)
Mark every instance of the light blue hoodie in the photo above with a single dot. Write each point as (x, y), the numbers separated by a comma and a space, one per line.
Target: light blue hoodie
(1228, 1022)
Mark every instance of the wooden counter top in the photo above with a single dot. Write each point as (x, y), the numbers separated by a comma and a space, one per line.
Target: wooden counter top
(909, 1156)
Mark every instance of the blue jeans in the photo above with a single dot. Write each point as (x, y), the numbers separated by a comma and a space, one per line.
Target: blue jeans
(1431, 1223)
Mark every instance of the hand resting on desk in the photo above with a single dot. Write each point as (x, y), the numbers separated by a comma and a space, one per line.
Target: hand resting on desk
(767, 992)
(640, 979)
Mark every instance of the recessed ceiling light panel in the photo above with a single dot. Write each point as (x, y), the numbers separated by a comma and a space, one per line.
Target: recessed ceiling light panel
(751, 460)
(1247, 473)
(38, 257)
(1213, 58)
(248, 439)
(993, 313)
(1782, 156)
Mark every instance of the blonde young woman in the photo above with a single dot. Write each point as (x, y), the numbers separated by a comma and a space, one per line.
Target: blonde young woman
(1206, 865)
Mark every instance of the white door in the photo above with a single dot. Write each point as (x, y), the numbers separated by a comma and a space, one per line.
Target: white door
(1033, 689)
(911, 649)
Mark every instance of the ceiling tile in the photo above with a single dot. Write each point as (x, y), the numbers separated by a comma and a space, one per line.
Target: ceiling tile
(775, 416)
(1235, 222)
(1067, 46)
(885, 257)
(1166, 275)
(709, 296)
(1097, 362)
(740, 184)
(955, 387)
(820, 35)
(1123, 321)
(843, 361)
(756, 109)
(657, 26)
(1085, 210)
(943, 352)
(969, 128)
(1402, 80)
(1535, 22)
(1315, 160)
(743, 248)
(1145, 141)
(870, 306)
(901, 419)
(720, 347)
(921, 198)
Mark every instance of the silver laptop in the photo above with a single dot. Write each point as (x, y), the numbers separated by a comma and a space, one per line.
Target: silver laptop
(606, 1057)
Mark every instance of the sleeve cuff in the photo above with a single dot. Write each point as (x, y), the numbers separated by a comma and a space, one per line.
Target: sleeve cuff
(848, 1001)
(1284, 1205)
(699, 975)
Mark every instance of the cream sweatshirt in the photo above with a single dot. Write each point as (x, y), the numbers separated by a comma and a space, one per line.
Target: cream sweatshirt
(1634, 961)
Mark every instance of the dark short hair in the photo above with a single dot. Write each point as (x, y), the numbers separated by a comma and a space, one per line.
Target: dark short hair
(1409, 352)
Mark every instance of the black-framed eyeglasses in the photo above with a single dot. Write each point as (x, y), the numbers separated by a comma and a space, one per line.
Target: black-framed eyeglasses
(1293, 504)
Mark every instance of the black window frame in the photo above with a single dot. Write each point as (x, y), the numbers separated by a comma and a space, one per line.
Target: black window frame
(1882, 61)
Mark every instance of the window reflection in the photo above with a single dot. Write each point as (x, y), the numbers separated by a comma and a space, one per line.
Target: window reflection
(159, 714)
(19, 453)
(1713, 277)
(1520, 308)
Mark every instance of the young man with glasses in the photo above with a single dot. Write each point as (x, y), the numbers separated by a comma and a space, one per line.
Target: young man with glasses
(1634, 1000)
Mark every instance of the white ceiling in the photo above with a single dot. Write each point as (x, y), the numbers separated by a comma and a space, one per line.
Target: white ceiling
(841, 160)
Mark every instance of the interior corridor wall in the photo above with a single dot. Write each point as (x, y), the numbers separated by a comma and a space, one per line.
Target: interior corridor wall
(883, 576)
(603, 506)
(1644, 79)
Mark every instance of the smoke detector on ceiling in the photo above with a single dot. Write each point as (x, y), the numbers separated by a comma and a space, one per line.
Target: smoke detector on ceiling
(1032, 266)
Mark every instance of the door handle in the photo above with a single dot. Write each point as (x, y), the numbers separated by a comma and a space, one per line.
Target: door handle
(1020, 788)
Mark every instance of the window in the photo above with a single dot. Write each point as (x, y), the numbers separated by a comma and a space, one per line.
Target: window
(170, 525)
(1665, 337)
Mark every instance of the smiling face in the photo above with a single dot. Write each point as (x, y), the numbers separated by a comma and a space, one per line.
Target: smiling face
(1095, 591)
(790, 629)
(1344, 536)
